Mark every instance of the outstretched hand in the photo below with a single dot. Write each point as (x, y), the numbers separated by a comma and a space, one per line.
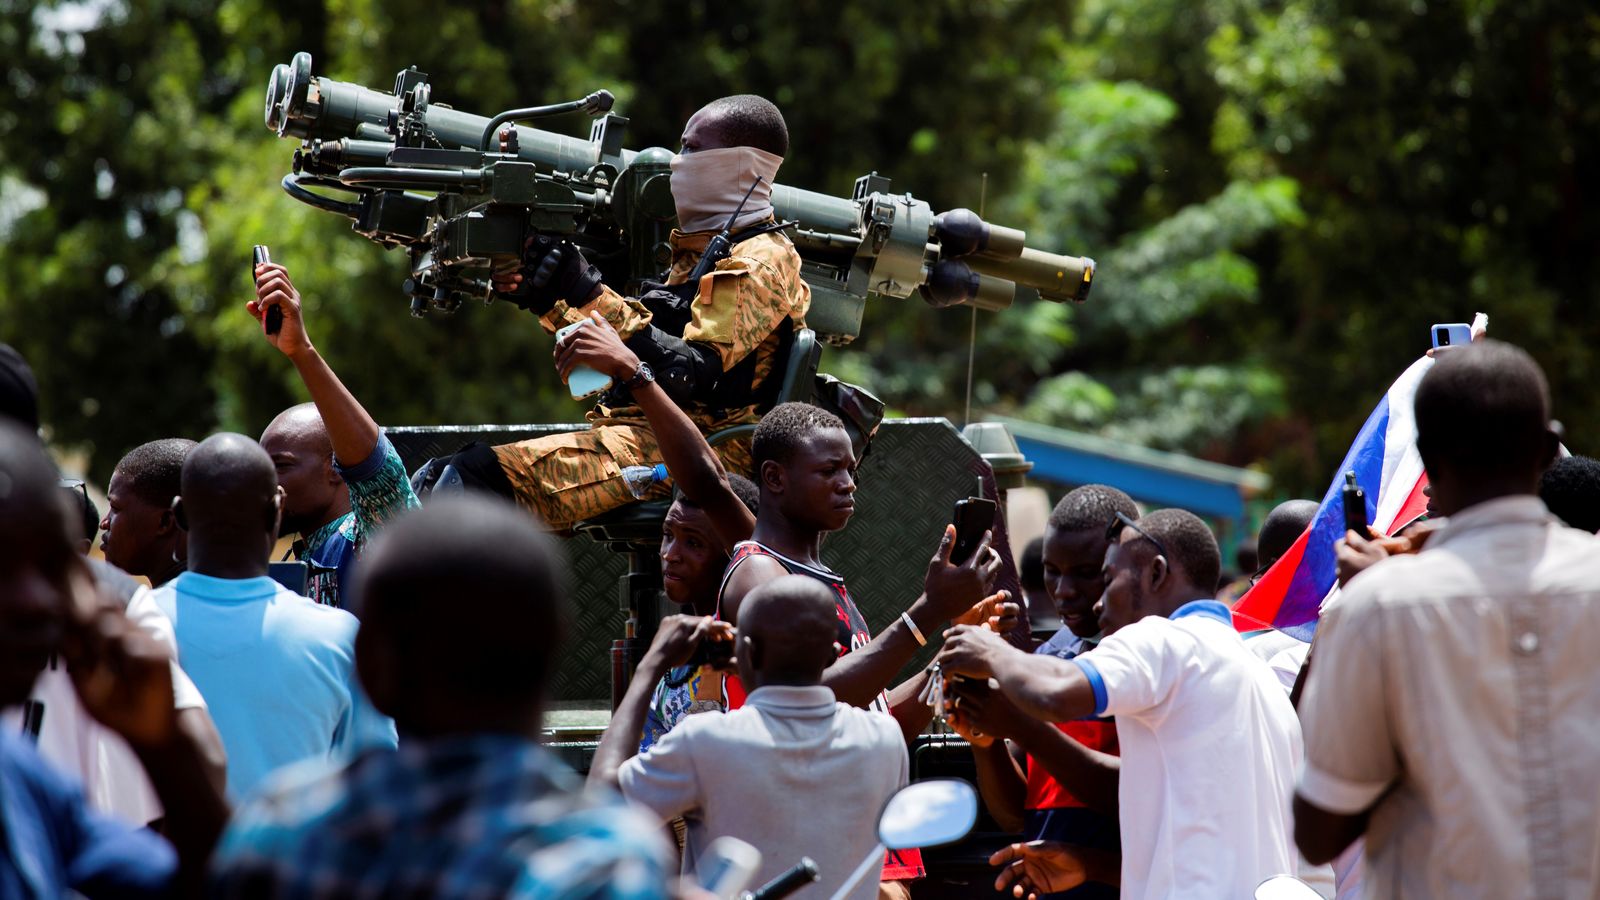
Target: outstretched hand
(995, 612)
(274, 290)
(952, 589)
(971, 651)
(598, 346)
(1037, 868)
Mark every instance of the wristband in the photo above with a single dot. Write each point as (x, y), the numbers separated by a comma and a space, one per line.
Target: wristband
(915, 631)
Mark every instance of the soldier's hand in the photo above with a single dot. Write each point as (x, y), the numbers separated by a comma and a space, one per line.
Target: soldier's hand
(551, 270)
(274, 290)
(598, 346)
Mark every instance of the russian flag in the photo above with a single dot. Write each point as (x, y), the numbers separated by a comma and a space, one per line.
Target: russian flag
(1389, 469)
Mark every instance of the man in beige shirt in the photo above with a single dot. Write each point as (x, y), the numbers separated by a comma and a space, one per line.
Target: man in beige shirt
(1453, 711)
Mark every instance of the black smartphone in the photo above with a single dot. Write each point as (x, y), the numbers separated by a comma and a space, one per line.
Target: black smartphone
(712, 653)
(1355, 506)
(274, 314)
(973, 516)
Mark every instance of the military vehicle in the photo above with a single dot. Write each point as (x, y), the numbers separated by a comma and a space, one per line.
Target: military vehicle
(460, 193)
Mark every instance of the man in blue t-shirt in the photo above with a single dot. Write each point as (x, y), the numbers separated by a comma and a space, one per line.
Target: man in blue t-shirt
(276, 669)
(342, 477)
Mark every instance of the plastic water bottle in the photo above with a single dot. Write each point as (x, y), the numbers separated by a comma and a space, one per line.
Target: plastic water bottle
(640, 479)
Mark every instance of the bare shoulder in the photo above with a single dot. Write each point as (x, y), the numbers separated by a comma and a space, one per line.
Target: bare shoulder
(748, 574)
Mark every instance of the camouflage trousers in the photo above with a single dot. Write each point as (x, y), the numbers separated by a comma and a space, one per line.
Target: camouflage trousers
(566, 478)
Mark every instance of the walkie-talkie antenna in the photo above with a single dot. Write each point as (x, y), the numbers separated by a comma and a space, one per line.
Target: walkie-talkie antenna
(740, 208)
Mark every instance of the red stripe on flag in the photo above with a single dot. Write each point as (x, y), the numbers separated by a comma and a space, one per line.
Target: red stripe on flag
(1416, 504)
(1258, 608)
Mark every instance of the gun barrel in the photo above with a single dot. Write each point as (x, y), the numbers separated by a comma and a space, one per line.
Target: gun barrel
(338, 109)
(371, 142)
(1055, 277)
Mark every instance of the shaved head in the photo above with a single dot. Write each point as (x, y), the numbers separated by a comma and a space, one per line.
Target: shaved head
(302, 453)
(1283, 526)
(787, 629)
(747, 120)
(229, 487)
(301, 422)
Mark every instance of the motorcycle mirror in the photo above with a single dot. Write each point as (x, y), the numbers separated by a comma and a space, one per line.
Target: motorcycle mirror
(1285, 887)
(928, 813)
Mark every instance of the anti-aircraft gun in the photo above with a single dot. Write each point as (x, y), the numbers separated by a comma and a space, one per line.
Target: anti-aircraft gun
(462, 192)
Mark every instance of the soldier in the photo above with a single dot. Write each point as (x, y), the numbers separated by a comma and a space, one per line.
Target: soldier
(718, 356)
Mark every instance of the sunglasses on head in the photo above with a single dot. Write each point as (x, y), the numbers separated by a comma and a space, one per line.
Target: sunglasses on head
(1114, 532)
(76, 484)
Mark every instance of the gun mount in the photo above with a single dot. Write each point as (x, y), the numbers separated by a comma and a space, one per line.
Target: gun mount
(461, 192)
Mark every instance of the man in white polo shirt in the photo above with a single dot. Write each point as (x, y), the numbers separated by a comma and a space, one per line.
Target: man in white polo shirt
(1209, 741)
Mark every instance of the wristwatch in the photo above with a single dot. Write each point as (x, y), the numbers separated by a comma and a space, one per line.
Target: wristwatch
(641, 377)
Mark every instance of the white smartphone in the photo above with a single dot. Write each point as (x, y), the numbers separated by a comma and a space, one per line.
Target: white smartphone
(1455, 335)
(727, 866)
(582, 381)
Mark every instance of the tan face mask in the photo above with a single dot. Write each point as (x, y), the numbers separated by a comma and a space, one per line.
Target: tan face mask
(707, 186)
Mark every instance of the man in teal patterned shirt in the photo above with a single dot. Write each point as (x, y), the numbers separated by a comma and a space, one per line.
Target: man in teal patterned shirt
(342, 477)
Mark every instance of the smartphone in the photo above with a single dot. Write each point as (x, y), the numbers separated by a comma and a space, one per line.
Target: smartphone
(274, 320)
(727, 866)
(715, 654)
(1454, 335)
(583, 381)
(1355, 506)
(973, 516)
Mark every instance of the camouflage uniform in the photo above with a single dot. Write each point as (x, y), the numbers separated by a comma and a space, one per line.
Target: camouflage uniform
(740, 305)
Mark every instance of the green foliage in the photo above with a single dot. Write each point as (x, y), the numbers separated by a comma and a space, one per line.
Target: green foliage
(1281, 195)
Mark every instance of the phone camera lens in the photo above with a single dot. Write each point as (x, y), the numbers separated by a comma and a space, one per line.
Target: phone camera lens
(1444, 338)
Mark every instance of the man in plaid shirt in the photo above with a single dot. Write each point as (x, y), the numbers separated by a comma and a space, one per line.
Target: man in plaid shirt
(342, 478)
(470, 805)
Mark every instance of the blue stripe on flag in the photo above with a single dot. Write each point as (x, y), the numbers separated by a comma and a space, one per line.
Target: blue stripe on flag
(1318, 571)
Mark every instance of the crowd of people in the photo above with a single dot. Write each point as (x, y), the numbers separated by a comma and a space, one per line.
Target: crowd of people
(190, 717)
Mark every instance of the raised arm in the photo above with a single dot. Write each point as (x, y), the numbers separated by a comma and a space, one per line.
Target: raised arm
(949, 591)
(695, 467)
(353, 432)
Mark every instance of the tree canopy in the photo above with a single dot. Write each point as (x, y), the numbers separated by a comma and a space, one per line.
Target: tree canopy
(1282, 196)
